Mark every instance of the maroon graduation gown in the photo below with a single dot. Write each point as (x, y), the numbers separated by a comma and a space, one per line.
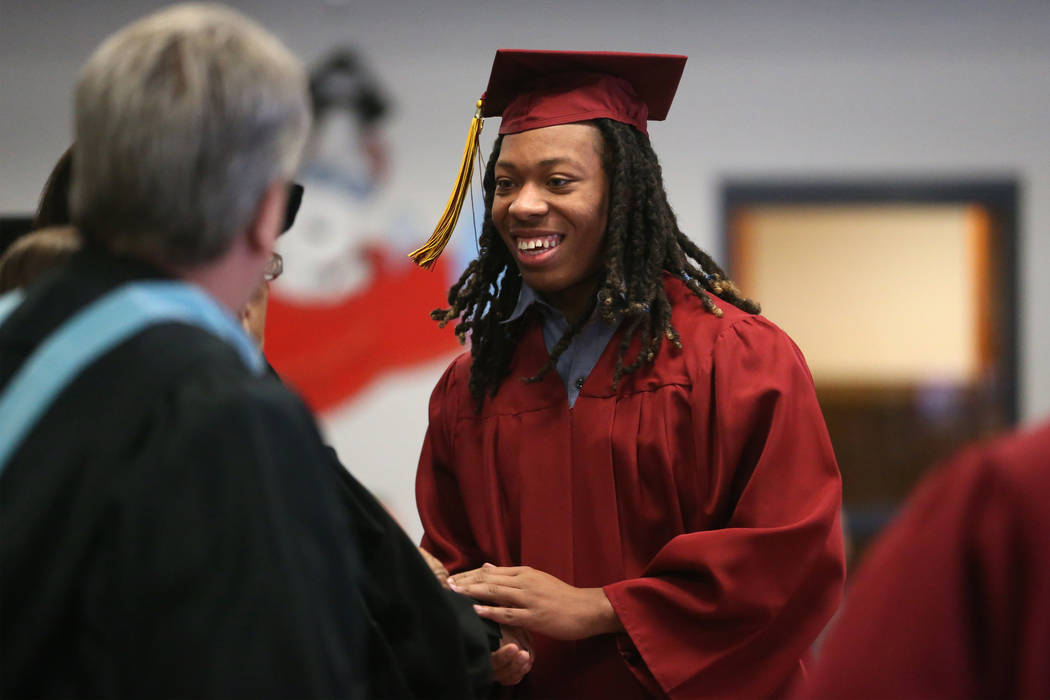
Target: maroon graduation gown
(703, 496)
(954, 600)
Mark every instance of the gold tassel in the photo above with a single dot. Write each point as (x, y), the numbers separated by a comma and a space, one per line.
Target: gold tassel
(425, 255)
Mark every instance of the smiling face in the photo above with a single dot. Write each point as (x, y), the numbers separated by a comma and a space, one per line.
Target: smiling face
(550, 207)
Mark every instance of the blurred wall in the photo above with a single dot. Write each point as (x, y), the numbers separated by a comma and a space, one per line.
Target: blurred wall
(772, 87)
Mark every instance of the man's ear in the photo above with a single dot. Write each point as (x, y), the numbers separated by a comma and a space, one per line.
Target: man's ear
(268, 221)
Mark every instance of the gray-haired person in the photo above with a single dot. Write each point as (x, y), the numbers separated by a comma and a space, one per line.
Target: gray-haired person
(170, 523)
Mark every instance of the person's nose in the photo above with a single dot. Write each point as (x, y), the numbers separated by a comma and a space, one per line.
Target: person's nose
(530, 202)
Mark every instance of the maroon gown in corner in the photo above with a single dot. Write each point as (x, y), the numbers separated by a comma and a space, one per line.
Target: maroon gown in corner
(954, 600)
(703, 496)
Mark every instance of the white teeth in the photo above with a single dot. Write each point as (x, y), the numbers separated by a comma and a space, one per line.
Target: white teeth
(542, 243)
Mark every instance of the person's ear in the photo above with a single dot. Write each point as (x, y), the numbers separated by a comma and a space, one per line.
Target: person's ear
(268, 221)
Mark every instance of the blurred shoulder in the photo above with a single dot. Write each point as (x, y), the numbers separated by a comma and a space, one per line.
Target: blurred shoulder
(1021, 459)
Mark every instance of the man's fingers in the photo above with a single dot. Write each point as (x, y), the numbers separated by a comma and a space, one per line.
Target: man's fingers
(503, 570)
(510, 668)
(491, 592)
(481, 576)
(505, 616)
(486, 572)
(470, 578)
(520, 665)
(435, 565)
(504, 656)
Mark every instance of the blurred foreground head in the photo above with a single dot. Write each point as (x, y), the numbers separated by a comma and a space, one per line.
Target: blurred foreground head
(183, 120)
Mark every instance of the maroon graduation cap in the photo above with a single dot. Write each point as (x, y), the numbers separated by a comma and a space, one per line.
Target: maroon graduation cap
(536, 89)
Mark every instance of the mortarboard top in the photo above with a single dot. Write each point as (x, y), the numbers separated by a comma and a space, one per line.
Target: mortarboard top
(536, 89)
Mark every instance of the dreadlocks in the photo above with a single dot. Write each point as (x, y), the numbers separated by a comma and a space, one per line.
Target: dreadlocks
(642, 241)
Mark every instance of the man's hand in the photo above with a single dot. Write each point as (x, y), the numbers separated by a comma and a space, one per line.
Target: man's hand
(514, 658)
(436, 566)
(524, 597)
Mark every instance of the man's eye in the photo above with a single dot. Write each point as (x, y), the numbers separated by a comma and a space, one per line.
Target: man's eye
(558, 181)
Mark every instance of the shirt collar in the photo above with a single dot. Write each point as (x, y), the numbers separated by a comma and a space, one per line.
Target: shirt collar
(526, 298)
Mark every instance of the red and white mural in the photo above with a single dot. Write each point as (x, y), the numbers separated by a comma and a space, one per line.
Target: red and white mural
(348, 322)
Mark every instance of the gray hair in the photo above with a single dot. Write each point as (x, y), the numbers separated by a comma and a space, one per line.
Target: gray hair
(183, 119)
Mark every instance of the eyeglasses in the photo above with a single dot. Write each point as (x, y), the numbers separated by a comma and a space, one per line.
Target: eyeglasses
(295, 198)
(274, 268)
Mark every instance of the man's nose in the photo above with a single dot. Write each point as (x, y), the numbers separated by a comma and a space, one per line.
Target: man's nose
(529, 203)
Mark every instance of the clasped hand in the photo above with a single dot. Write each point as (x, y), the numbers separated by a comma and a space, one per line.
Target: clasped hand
(524, 597)
(514, 657)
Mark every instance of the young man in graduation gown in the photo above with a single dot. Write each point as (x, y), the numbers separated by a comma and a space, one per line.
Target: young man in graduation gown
(170, 520)
(954, 599)
(630, 463)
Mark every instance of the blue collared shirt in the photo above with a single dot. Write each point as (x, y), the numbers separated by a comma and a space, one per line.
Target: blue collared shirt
(583, 352)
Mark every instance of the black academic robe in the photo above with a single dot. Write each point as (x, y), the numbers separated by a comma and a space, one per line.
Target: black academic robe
(423, 641)
(174, 527)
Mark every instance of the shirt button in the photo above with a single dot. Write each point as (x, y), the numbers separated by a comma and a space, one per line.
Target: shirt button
(579, 383)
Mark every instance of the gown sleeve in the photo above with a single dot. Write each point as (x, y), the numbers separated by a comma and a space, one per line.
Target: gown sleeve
(732, 611)
(447, 532)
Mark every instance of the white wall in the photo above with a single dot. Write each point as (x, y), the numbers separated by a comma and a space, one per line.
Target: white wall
(773, 87)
